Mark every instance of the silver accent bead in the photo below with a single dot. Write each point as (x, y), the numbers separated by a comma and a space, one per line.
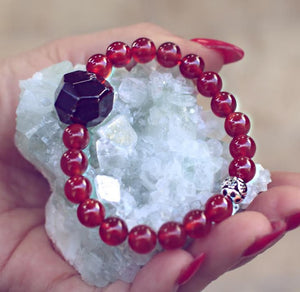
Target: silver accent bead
(234, 188)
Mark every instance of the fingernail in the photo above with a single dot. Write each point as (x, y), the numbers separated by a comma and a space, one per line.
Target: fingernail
(261, 243)
(230, 52)
(292, 222)
(190, 270)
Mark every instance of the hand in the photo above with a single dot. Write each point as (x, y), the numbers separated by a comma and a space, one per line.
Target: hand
(28, 261)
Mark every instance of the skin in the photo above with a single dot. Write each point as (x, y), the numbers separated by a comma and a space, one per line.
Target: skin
(28, 261)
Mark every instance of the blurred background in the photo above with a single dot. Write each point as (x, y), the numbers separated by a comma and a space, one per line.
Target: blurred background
(266, 82)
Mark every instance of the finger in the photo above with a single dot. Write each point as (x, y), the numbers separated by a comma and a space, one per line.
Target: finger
(161, 273)
(285, 178)
(77, 49)
(225, 245)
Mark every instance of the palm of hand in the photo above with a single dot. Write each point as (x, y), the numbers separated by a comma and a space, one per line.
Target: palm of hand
(28, 261)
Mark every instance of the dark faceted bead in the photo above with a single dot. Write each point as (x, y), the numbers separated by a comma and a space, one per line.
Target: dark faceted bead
(142, 239)
(196, 224)
(73, 162)
(242, 145)
(113, 231)
(171, 235)
(119, 54)
(191, 66)
(143, 50)
(218, 208)
(242, 167)
(168, 55)
(236, 124)
(223, 104)
(77, 189)
(90, 213)
(76, 136)
(100, 65)
(83, 99)
(209, 84)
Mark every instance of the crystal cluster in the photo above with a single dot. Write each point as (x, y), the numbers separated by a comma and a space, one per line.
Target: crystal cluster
(155, 157)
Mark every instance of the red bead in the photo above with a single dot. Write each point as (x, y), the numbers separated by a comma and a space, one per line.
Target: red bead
(100, 65)
(209, 84)
(242, 145)
(90, 213)
(196, 224)
(191, 66)
(242, 167)
(77, 189)
(218, 208)
(113, 231)
(73, 162)
(142, 239)
(119, 54)
(76, 136)
(168, 55)
(143, 50)
(237, 124)
(223, 104)
(171, 235)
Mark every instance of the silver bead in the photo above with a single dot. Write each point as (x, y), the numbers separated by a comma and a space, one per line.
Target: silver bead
(234, 188)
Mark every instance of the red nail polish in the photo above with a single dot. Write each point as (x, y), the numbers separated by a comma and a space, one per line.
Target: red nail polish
(230, 52)
(190, 270)
(261, 243)
(292, 222)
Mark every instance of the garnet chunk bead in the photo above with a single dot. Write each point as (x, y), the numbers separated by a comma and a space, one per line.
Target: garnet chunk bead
(242, 145)
(218, 208)
(76, 136)
(236, 124)
(77, 189)
(143, 50)
(100, 65)
(196, 224)
(242, 167)
(209, 83)
(113, 231)
(171, 235)
(168, 55)
(142, 239)
(73, 162)
(90, 213)
(223, 104)
(191, 66)
(119, 54)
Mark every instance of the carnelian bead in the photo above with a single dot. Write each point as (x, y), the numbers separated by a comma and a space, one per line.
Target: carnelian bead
(77, 189)
(76, 136)
(218, 208)
(209, 84)
(171, 235)
(223, 104)
(196, 224)
(191, 66)
(143, 50)
(236, 124)
(142, 239)
(90, 213)
(242, 167)
(168, 55)
(100, 65)
(242, 145)
(73, 162)
(119, 54)
(113, 231)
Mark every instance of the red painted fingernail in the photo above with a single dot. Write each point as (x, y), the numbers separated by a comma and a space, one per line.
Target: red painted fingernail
(292, 222)
(190, 270)
(230, 52)
(261, 243)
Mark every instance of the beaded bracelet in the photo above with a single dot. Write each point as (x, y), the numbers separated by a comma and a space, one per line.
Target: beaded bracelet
(84, 99)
